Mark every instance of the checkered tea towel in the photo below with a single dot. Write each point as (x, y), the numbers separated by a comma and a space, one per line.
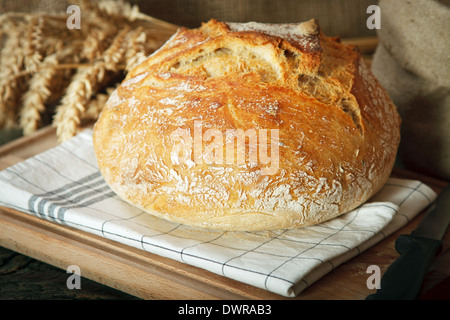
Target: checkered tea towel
(65, 186)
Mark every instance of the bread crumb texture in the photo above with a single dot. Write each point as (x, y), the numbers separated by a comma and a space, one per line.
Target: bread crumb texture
(337, 129)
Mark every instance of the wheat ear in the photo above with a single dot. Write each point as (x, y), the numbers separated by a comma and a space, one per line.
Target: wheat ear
(10, 86)
(43, 84)
(33, 55)
(86, 82)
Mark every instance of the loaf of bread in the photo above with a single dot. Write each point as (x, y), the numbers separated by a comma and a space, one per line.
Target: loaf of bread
(248, 126)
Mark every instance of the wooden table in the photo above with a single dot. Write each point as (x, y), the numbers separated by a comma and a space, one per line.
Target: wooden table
(134, 273)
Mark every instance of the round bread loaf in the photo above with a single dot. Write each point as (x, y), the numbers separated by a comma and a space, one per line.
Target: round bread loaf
(248, 126)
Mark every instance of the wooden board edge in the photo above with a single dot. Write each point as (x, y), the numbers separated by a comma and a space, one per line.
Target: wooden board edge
(47, 133)
(139, 273)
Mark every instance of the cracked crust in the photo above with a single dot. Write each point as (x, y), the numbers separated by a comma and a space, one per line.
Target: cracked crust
(338, 131)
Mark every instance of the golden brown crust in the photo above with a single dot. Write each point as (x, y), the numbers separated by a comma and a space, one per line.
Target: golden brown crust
(338, 131)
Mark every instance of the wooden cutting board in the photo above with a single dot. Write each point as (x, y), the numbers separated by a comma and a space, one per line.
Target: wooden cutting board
(149, 276)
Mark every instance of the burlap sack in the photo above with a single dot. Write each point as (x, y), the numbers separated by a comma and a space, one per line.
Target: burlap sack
(412, 62)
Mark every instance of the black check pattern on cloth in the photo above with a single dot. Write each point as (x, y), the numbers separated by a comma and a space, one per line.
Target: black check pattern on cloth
(81, 193)
(65, 186)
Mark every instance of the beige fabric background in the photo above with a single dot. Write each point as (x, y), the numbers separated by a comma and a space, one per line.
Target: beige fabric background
(345, 18)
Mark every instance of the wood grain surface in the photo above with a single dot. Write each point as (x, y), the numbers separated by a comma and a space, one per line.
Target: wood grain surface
(25, 278)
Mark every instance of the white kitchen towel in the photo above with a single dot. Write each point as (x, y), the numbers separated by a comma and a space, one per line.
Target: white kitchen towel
(65, 186)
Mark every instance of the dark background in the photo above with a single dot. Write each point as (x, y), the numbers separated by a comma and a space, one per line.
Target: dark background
(345, 18)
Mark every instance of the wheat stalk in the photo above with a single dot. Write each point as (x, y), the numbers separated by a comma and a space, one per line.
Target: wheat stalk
(79, 92)
(45, 68)
(36, 97)
(86, 82)
(33, 55)
(42, 85)
(136, 52)
(95, 105)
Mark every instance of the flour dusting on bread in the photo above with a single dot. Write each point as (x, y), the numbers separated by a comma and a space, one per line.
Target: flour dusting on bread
(323, 132)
